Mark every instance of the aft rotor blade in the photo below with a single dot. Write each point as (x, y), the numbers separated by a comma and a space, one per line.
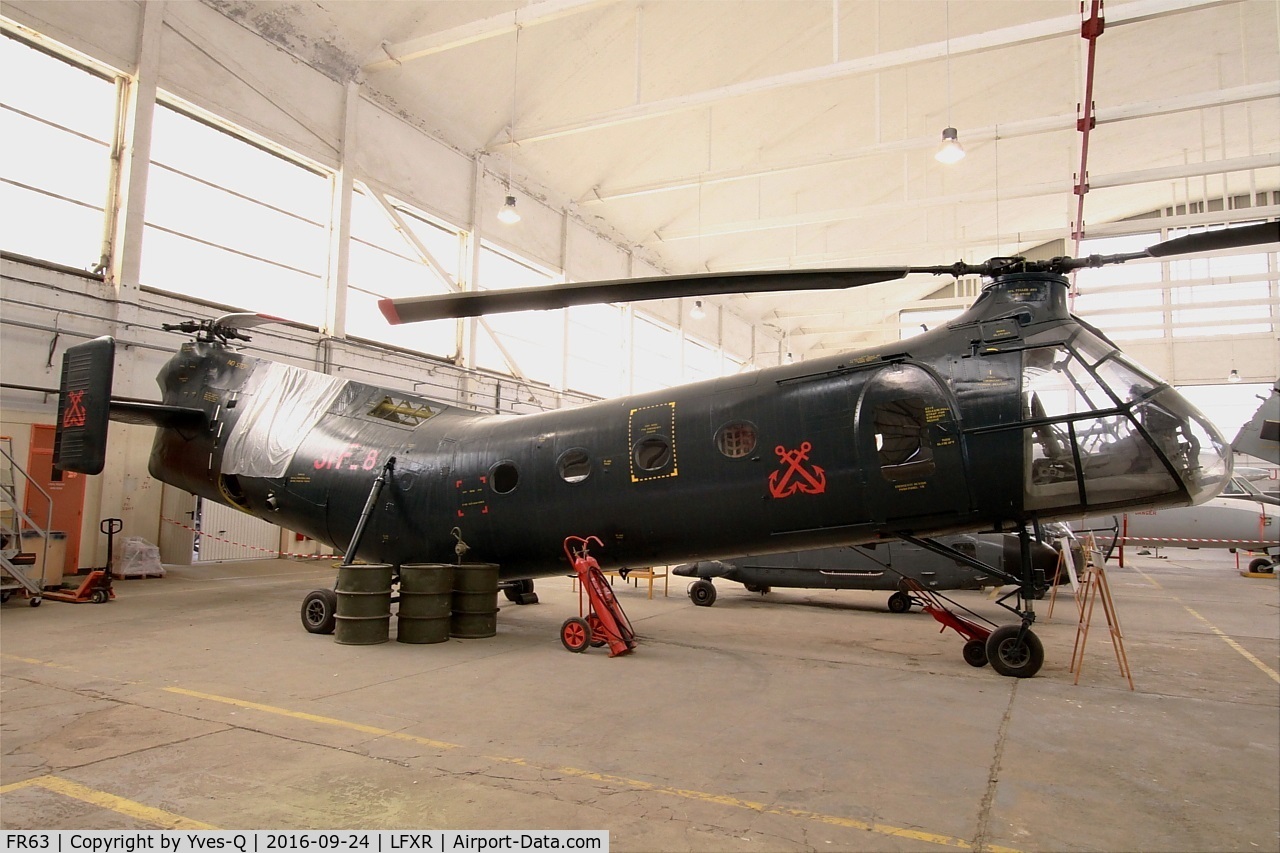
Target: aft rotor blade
(244, 320)
(1215, 241)
(415, 309)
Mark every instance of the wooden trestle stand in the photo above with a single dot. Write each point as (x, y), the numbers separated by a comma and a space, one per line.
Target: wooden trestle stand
(1096, 587)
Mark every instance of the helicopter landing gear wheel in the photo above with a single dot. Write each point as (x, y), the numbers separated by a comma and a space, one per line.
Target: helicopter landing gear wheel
(1261, 565)
(319, 611)
(1013, 657)
(702, 593)
(520, 592)
(899, 602)
(975, 653)
(575, 634)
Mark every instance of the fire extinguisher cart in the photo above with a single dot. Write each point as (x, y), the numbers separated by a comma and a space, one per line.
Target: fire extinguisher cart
(601, 620)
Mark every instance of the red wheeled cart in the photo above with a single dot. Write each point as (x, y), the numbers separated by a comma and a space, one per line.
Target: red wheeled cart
(603, 620)
(975, 635)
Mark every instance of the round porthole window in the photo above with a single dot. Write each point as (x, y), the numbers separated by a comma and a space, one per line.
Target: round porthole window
(736, 439)
(652, 453)
(504, 478)
(574, 465)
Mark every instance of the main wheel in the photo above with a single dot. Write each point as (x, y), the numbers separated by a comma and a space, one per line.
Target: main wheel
(575, 634)
(1010, 657)
(319, 611)
(899, 602)
(702, 593)
(99, 596)
(518, 589)
(975, 653)
(1261, 565)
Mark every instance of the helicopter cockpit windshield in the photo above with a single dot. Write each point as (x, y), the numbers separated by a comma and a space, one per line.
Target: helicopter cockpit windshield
(1100, 430)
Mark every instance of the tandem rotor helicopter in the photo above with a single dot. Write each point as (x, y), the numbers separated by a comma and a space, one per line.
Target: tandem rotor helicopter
(1013, 413)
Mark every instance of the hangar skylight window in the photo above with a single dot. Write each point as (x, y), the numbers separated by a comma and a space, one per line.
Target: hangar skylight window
(528, 343)
(231, 221)
(57, 120)
(396, 250)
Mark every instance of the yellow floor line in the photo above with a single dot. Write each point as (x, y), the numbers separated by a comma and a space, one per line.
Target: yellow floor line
(720, 799)
(764, 808)
(1275, 676)
(128, 808)
(313, 718)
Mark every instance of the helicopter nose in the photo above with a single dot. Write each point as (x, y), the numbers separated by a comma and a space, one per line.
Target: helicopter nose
(1203, 458)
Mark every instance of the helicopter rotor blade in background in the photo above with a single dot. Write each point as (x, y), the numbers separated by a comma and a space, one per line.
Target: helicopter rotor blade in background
(415, 309)
(1216, 241)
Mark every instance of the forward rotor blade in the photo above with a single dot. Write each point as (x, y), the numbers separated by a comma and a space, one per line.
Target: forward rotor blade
(1214, 241)
(414, 309)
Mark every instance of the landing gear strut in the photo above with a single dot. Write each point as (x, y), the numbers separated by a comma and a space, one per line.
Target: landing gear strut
(1012, 650)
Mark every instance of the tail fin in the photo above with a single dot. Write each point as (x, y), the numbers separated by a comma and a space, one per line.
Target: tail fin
(84, 406)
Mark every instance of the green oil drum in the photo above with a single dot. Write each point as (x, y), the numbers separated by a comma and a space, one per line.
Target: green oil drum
(475, 601)
(363, 614)
(426, 601)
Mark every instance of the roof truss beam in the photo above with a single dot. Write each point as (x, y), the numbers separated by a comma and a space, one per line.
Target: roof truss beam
(392, 55)
(973, 136)
(824, 217)
(1066, 25)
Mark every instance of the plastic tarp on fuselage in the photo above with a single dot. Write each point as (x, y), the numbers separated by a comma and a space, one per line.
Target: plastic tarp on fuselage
(283, 407)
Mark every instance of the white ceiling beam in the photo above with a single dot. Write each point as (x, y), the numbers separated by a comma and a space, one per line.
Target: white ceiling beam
(871, 211)
(1120, 228)
(392, 55)
(1051, 28)
(971, 136)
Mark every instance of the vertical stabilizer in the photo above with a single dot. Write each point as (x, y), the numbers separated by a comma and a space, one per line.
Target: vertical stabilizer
(1260, 437)
(84, 406)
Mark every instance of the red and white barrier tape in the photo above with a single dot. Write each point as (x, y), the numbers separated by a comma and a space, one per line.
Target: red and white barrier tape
(1235, 543)
(272, 551)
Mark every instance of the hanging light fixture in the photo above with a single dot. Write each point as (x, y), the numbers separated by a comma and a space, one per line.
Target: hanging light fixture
(508, 213)
(1233, 376)
(950, 151)
(697, 313)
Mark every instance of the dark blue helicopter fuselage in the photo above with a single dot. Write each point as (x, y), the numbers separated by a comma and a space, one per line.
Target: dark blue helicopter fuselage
(931, 435)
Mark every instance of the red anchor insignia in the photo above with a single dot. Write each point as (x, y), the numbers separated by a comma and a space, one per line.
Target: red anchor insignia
(784, 484)
(75, 414)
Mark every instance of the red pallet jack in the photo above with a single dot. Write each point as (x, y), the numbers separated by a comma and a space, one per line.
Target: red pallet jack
(603, 622)
(975, 635)
(96, 586)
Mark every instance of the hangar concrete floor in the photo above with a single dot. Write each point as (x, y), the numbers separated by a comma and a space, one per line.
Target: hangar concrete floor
(801, 721)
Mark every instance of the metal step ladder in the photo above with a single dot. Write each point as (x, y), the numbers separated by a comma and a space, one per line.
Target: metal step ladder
(14, 562)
